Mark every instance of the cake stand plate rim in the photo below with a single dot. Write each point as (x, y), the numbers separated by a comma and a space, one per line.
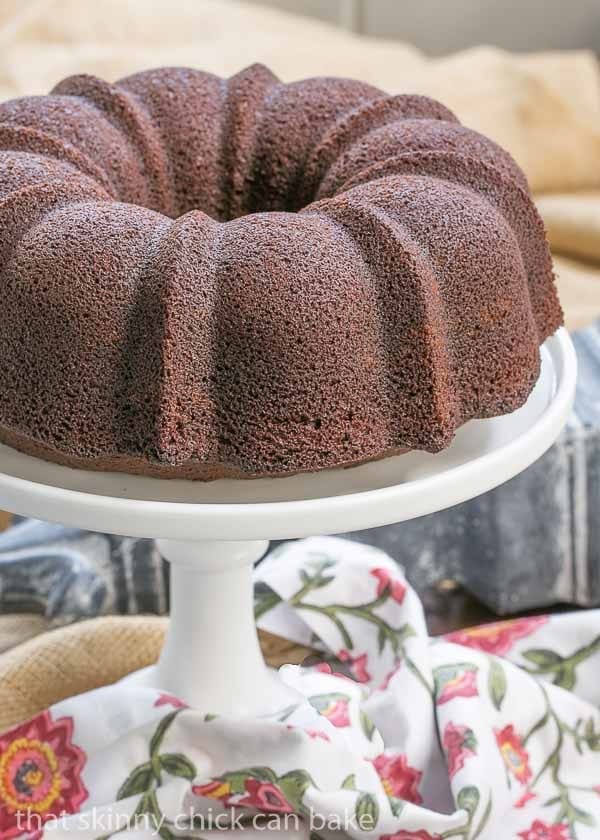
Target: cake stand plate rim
(439, 485)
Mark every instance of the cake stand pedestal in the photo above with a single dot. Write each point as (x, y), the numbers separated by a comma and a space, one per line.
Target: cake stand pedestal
(212, 533)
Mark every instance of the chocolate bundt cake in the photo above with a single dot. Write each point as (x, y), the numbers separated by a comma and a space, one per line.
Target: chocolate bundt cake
(205, 277)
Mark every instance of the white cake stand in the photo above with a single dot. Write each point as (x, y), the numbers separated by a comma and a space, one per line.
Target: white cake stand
(212, 533)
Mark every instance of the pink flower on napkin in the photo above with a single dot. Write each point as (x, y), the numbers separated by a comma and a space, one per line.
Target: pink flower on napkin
(421, 834)
(357, 665)
(389, 676)
(399, 779)
(386, 579)
(461, 684)
(215, 789)
(40, 775)
(499, 636)
(266, 797)
(316, 734)
(514, 754)
(524, 799)
(171, 700)
(337, 713)
(459, 743)
(544, 831)
(313, 734)
(335, 707)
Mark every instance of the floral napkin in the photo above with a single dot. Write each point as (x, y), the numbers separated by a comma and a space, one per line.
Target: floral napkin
(491, 733)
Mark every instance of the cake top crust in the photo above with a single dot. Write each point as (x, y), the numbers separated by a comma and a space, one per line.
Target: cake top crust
(206, 277)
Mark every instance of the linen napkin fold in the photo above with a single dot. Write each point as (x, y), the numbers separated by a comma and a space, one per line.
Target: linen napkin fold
(490, 733)
(573, 223)
(578, 286)
(544, 108)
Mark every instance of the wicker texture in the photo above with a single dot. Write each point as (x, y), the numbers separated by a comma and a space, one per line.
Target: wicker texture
(62, 663)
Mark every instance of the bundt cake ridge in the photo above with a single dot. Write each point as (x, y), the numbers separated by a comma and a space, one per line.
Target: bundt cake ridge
(207, 277)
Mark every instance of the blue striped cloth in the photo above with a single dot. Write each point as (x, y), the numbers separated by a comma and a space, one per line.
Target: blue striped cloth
(535, 540)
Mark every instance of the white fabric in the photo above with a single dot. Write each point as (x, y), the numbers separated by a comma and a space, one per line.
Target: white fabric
(410, 738)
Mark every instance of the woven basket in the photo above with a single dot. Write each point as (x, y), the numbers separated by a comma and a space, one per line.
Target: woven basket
(64, 662)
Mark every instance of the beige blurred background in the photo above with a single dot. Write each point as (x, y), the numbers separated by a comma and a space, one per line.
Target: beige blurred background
(442, 26)
(525, 73)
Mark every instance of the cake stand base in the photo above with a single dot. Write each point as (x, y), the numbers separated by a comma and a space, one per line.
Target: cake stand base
(211, 658)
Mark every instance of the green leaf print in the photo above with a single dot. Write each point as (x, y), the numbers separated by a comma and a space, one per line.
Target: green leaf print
(544, 658)
(386, 633)
(367, 812)
(161, 731)
(178, 765)
(367, 725)
(237, 778)
(468, 798)
(497, 683)
(137, 782)
(562, 669)
(294, 785)
(264, 600)
(145, 779)
(567, 811)
(591, 736)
